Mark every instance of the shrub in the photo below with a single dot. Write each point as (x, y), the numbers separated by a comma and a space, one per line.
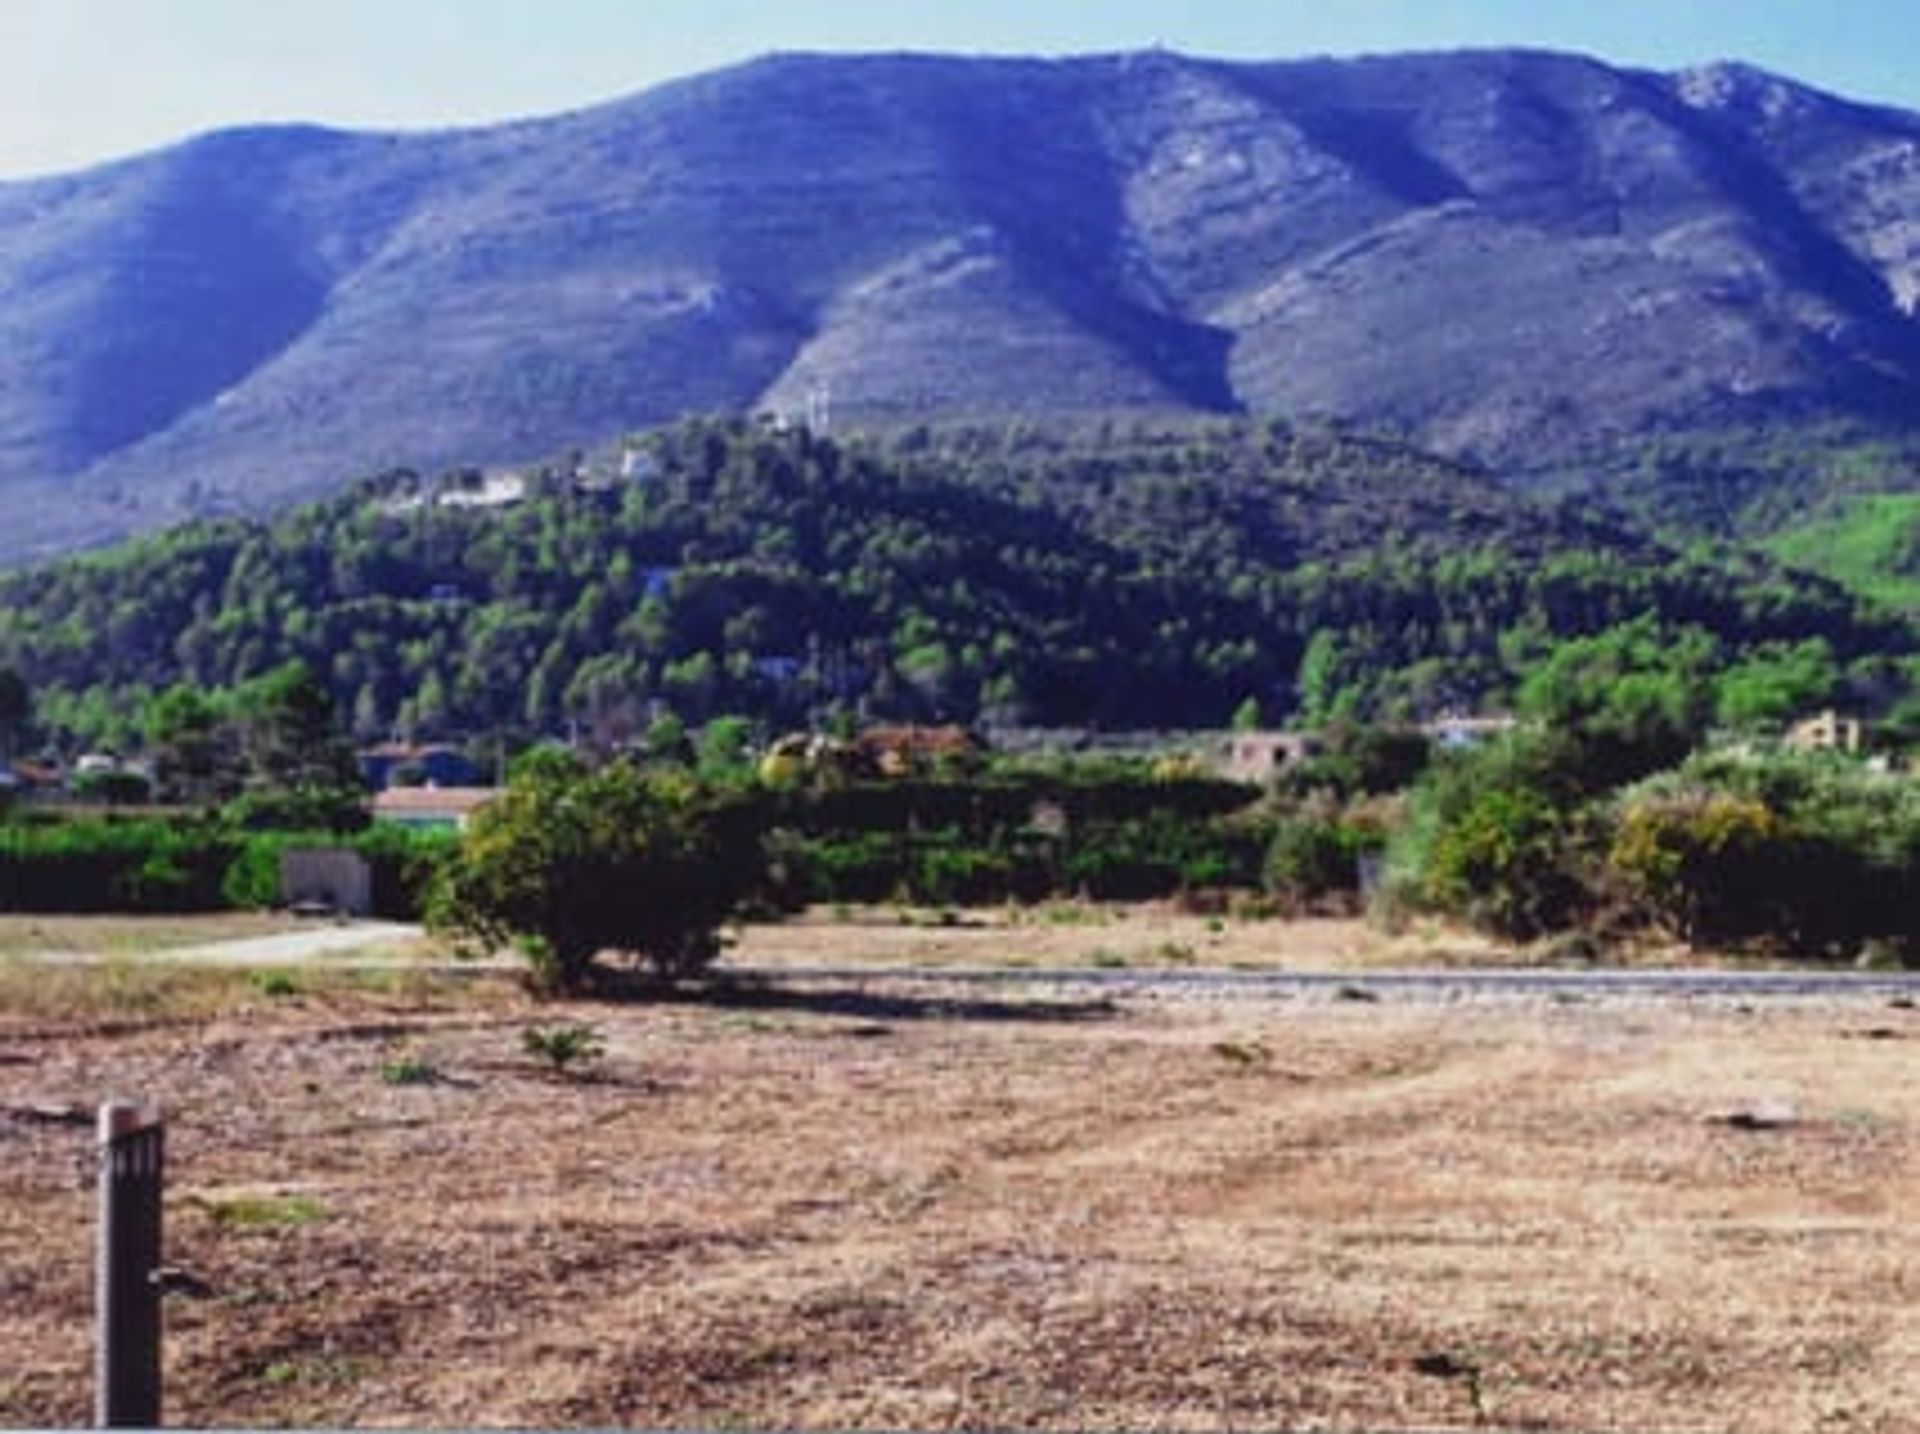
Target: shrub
(1497, 837)
(1313, 860)
(1500, 863)
(1707, 865)
(563, 1047)
(648, 864)
(1813, 852)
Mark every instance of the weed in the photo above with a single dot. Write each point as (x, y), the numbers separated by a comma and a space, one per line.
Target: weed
(563, 1047)
(1074, 914)
(1175, 953)
(1242, 1053)
(275, 985)
(332, 1370)
(1107, 959)
(410, 1068)
(265, 1212)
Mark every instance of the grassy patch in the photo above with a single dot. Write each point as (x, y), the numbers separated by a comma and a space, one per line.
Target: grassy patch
(263, 1212)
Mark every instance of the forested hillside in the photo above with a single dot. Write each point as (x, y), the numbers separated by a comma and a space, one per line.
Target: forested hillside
(1110, 576)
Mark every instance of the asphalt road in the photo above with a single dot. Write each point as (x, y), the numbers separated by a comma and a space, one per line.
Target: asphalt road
(1437, 984)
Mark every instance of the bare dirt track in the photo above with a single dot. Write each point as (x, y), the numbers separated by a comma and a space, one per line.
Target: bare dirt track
(915, 1207)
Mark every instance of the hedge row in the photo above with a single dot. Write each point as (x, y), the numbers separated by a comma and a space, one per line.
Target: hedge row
(140, 866)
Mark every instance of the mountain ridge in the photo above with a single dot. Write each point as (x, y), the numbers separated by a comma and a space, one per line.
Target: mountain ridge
(1494, 252)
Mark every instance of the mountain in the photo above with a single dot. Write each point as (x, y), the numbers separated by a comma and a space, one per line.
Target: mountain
(1500, 254)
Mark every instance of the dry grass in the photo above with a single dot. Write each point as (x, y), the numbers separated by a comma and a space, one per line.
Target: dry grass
(132, 935)
(124, 994)
(890, 1209)
(1087, 934)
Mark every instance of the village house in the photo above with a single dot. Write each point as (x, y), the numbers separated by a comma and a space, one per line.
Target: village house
(1258, 757)
(1458, 734)
(1828, 732)
(904, 750)
(431, 808)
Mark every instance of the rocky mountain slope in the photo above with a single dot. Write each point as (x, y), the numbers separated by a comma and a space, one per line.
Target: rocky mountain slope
(1493, 253)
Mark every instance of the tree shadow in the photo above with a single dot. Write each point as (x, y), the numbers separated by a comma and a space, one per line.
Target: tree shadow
(758, 993)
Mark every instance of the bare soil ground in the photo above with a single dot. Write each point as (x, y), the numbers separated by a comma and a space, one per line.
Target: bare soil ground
(819, 1208)
(1080, 934)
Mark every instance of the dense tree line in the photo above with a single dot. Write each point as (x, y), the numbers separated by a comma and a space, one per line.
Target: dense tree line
(1112, 577)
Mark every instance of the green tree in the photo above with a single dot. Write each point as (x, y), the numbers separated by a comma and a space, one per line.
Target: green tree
(722, 749)
(192, 745)
(1630, 700)
(568, 866)
(1777, 684)
(300, 769)
(16, 711)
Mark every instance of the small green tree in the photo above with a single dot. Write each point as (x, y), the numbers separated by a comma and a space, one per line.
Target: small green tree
(16, 711)
(568, 866)
(723, 747)
(1629, 701)
(300, 770)
(192, 744)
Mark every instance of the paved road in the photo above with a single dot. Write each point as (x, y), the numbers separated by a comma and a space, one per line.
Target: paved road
(1530, 982)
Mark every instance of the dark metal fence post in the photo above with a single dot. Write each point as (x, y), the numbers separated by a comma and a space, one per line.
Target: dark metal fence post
(132, 1171)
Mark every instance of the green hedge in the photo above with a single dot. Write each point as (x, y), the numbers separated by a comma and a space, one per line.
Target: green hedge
(114, 866)
(146, 865)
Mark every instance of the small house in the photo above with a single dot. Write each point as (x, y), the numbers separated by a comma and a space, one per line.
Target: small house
(1258, 757)
(442, 808)
(1828, 732)
(1460, 734)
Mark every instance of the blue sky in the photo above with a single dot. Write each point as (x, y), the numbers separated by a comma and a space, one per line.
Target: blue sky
(84, 80)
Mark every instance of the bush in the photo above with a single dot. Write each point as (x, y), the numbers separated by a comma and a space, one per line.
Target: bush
(1707, 865)
(1811, 852)
(561, 1048)
(1315, 860)
(649, 864)
(1497, 837)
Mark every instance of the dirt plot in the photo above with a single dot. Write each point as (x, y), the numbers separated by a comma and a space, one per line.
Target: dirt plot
(1141, 934)
(893, 1208)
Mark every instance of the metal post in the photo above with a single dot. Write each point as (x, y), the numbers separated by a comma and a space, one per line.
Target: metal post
(132, 1171)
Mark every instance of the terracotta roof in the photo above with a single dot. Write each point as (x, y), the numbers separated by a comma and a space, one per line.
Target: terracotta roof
(432, 801)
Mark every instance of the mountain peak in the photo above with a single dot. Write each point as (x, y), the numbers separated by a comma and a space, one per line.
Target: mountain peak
(1496, 253)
